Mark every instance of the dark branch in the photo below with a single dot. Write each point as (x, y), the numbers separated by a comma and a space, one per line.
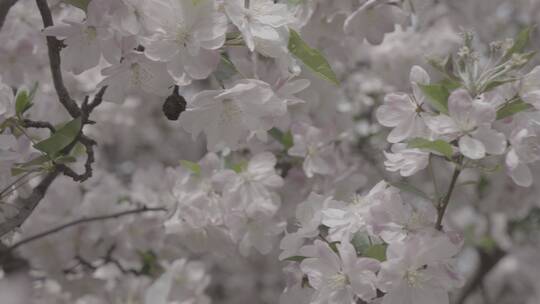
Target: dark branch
(88, 143)
(54, 46)
(27, 205)
(5, 6)
(82, 221)
(27, 123)
(88, 107)
(441, 208)
(488, 260)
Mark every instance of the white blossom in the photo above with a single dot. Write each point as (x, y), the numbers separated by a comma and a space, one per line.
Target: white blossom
(133, 74)
(262, 24)
(470, 120)
(186, 35)
(227, 116)
(340, 278)
(404, 112)
(86, 41)
(405, 160)
(419, 271)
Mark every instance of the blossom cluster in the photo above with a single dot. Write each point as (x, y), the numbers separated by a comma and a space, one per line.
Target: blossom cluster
(268, 151)
(375, 244)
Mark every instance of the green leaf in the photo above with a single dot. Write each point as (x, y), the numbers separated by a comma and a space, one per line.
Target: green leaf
(35, 164)
(65, 159)
(225, 69)
(520, 43)
(438, 145)
(239, 167)
(312, 58)
(63, 137)
(33, 91)
(295, 258)
(487, 243)
(150, 263)
(411, 189)
(194, 167)
(286, 139)
(377, 251)
(437, 95)
(360, 242)
(450, 84)
(512, 108)
(496, 83)
(445, 66)
(196, 2)
(468, 183)
(22, 103)
(82, 4)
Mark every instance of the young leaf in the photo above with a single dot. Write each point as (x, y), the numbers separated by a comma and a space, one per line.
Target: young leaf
(82, 4)
(377, 251)
(194, 167)
(33, 91)
(438, 145)
(520, 43)
(450, 84)
(496, 83)
(225, 69)
(411, 189)
(437, 95)
(61, 139)
(312, 58)
(239, 167)
(35, 164)
(286, 139)
(512, 108)
(22, 103)
(295, 258)
(65, 159)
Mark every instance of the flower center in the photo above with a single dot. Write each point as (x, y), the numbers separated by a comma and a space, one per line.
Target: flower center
(358, 200)
(182, 34)
(337, 281)
(91, 33)
(139, 75)
(413, 277)
(231, 111)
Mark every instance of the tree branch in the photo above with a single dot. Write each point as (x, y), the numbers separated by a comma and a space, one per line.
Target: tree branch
(27, 205)
(79, 222)
(487, 260)
(27, 123)
(54, 46)
(5, 6)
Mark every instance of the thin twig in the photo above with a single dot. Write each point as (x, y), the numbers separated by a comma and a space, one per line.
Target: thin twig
(82, 221)
(8, 187)
(27, 123)
(88, 107)
(88, 144)
(432, 175)
(443, 205)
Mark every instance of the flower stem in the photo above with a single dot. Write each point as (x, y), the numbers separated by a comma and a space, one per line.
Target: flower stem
(441, 208)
